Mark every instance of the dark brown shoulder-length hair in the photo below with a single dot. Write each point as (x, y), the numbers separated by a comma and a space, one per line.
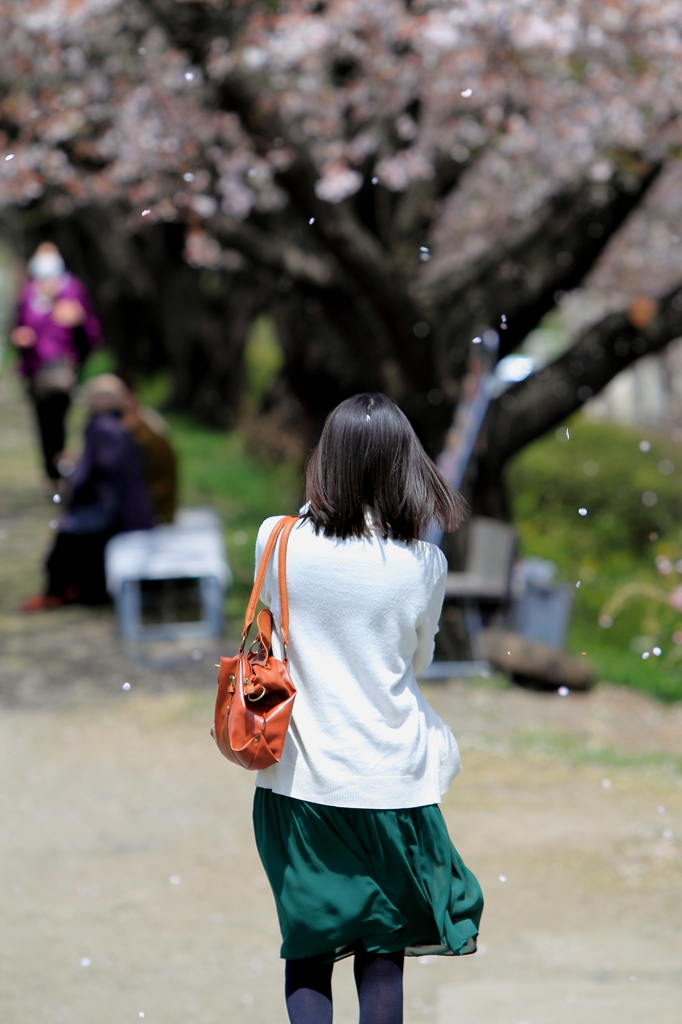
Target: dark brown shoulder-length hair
(369, 454)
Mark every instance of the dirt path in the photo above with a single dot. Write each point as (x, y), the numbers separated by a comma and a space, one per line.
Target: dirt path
(129, 882)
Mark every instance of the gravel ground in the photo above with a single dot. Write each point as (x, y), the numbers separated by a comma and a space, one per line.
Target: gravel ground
(129, 881)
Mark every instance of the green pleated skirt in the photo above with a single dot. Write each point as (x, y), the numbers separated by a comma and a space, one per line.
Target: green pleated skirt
(386, 879)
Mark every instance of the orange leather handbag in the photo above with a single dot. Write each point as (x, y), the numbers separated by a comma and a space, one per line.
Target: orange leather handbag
(255, 692)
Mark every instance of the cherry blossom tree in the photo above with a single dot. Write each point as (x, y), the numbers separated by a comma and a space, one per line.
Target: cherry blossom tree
(390, 179)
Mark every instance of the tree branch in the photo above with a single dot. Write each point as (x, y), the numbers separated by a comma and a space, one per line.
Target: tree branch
(368, 268)
(192, 25)
(414, 213)
(535, 405)
(552, 251)
(358, 252)
(271, 251)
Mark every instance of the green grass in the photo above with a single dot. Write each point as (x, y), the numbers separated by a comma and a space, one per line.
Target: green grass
(616, 544)
(101, 361)
(263, 357)
(605, 550)
(217, 470)
(576, 749)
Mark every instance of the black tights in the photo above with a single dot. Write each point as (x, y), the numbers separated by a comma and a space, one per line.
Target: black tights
(51, 410)
(75, 568)
(379, 981)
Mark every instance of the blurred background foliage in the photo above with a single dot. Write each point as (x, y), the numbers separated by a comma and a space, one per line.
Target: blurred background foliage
(600, 468)
(336, 198)
(630, 482)
(604, 467)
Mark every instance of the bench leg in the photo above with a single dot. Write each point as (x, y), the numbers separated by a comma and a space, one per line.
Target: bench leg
(128, 608)
(212, 599)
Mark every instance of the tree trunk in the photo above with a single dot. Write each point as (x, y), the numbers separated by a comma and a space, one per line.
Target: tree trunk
(333, 349)
(488, 493)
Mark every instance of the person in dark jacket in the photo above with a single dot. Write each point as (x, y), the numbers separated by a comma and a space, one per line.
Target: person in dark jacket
(108, 496)
(149, 429)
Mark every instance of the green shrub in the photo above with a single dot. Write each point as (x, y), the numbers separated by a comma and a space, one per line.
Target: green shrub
(634, 517)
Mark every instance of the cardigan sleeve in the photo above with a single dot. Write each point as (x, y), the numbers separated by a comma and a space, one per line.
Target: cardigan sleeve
(427, 624)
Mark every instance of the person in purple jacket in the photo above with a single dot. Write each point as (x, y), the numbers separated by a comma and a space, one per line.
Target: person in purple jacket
(108, 496)
(56, 328)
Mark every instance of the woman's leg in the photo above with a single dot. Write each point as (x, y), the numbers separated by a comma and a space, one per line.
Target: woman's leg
(75, 568)
(379, 980)
(308, 990)
(51, 412)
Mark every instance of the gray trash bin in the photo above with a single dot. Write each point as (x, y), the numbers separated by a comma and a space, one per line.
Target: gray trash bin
(541, 609)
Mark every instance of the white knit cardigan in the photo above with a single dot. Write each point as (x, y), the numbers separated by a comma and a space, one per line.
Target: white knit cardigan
(363, 616)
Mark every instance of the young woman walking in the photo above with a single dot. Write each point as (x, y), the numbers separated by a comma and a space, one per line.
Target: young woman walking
(347, 823)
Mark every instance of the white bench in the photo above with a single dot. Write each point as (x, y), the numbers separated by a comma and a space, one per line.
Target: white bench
(175, 575)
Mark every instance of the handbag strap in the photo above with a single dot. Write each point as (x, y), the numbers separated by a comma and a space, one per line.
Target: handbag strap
(283, 528)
